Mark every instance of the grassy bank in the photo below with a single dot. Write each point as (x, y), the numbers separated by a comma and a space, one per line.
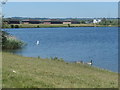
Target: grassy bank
(27, 72)
(54, 25)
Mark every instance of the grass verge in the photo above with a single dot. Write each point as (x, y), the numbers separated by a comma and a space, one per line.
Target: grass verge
(54, 25)
(28, 72)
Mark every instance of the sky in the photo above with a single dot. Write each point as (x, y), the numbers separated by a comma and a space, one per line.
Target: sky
(62, 0)
(61, 9)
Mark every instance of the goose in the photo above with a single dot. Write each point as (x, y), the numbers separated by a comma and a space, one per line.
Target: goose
(90, 63)
(38, 42)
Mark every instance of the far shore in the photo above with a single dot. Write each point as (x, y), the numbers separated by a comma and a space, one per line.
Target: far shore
(54, 25)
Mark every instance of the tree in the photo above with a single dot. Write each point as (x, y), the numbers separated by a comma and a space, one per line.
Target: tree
(105, 21)
(16, 26)
(68, 25)
(82, 22)
(12, 26)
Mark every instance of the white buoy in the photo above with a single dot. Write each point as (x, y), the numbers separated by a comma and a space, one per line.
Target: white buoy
(38, 42)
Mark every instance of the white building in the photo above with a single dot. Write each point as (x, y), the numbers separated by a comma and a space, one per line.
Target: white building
(99, 20)
(96, 21)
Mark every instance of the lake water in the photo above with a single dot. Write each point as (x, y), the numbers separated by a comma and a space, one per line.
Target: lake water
(72, 44)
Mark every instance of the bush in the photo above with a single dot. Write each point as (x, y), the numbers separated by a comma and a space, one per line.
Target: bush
(38, 26)
(68, 25)
(12, 44)
(12, 26)
(38, 57)
(16, 26)
(9, 42)
(3, 37)
(57, 59)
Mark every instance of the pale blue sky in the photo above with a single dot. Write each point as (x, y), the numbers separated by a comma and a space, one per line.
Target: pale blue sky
(61, 9)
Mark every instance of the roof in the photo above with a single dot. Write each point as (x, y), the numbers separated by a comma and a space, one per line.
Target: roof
(30, 20)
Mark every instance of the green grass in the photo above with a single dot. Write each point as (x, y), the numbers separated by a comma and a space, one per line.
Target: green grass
(55, 25)
(47, 73)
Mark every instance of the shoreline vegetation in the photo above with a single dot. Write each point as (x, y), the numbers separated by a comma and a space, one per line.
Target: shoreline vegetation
(54, 25)
(10, 42)
(31, 72)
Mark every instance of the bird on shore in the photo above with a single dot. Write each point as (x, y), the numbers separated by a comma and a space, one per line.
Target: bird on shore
(38, 42)
(90, 63)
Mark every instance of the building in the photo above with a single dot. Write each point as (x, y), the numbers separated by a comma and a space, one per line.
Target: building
(14, 22)
(96, 21)
(47, 21)
(67, 22)
(56, 22)
(52, 21)
(25, 21)
(99, 20)
(31, 21)
(75, 22)
(34, 21)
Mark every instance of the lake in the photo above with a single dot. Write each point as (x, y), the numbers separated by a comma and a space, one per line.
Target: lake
(72, 44)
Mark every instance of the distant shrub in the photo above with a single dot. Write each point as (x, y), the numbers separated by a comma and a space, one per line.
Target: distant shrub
(82, 22)
(3, 37)
(38, 26)
(61, 59)
(12, 44)
(9, 42)
(12, 26)
(68, 25)
(20, 26)
(57, 59)
(53, 58)
(38, 57)
(16, 26)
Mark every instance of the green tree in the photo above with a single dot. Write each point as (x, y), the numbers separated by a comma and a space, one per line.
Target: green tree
(12, 26)
(16, 26)
(82, 22)
(68, 25)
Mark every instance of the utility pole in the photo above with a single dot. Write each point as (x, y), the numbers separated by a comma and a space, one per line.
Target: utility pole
(2, 2)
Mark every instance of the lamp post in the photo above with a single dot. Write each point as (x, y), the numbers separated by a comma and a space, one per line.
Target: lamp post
(2, 2)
